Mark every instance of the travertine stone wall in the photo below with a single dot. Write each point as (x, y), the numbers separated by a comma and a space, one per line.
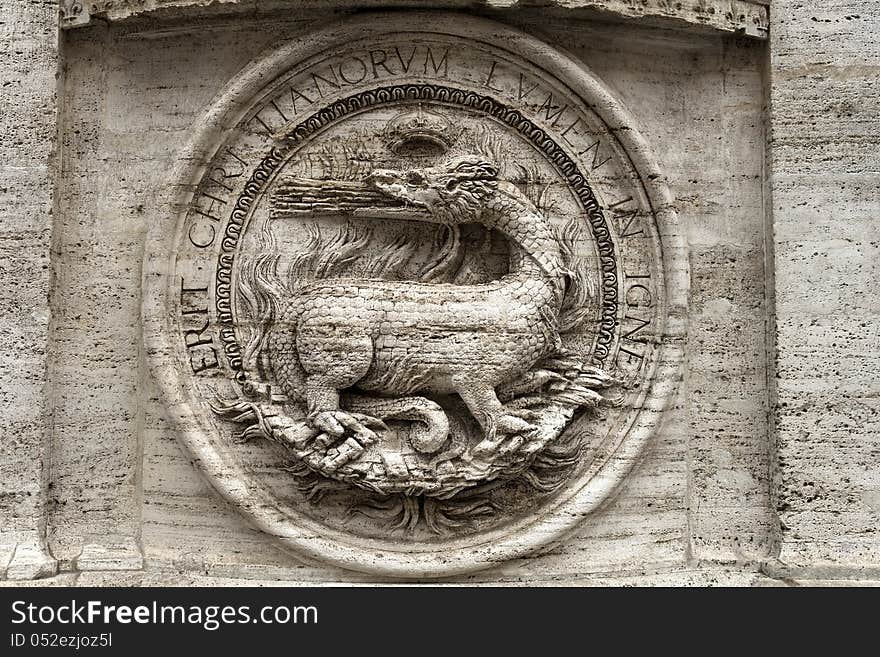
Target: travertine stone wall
(825, 177)
(766, 468)
(29, 52)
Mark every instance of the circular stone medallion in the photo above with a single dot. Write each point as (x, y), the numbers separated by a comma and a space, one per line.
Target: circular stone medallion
(423, 304)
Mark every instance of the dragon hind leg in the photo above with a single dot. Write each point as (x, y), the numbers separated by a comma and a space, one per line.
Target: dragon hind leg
(483, 403)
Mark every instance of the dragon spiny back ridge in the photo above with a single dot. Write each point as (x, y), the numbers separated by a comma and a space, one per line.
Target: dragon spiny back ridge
(476, 178)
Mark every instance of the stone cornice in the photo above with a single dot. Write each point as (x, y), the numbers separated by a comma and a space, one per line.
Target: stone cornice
(747, 17)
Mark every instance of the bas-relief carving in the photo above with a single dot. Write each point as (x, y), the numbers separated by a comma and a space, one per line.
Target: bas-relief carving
(73, 13)
(424, 301)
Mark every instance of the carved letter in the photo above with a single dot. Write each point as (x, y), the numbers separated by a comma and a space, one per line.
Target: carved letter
(204, 242)
(595, 148)
(488, 82)
(204, 363)
(358, 77)
(642, 324)
(208, 213)
(638, 296)
(377, 59)
(405, 66)
(552, 112)
(297, 94)
(444, 63)
(316, 80)
(522, 92)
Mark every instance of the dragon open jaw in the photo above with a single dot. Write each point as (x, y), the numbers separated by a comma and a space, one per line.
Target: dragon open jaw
(453, 193)
(400, 187)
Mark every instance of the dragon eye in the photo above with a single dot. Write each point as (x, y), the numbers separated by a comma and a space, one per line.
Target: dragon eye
(451, 184)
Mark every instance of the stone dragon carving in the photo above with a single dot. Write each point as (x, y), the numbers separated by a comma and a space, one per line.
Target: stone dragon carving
(351, 355)
(396, 338)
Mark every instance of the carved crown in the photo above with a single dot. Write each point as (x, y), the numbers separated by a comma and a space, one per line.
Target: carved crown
(419, 129)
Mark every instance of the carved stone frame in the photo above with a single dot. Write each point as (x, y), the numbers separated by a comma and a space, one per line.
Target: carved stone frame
(523, 537)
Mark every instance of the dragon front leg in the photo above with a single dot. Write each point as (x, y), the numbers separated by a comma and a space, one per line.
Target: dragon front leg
(355, 431)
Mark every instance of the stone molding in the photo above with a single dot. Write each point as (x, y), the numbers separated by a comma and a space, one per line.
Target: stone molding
(747, 17)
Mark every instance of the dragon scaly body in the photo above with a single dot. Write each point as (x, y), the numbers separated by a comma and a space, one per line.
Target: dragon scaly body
(399, 338)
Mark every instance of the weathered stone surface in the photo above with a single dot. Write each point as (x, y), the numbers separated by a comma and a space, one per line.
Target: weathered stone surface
(825, 60)
(649, 522)
(357, 281)
(764, 471)
(28, 46)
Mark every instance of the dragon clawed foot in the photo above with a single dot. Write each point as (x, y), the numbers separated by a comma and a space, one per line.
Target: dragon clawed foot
(335, 424)
(511, 425)
(355, 432)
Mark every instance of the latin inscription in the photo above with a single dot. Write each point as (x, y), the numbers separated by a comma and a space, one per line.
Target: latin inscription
(350, 71)
(196, 332)
(213, 196)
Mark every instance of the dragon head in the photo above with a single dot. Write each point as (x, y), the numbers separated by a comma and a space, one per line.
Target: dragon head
(454, 192)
